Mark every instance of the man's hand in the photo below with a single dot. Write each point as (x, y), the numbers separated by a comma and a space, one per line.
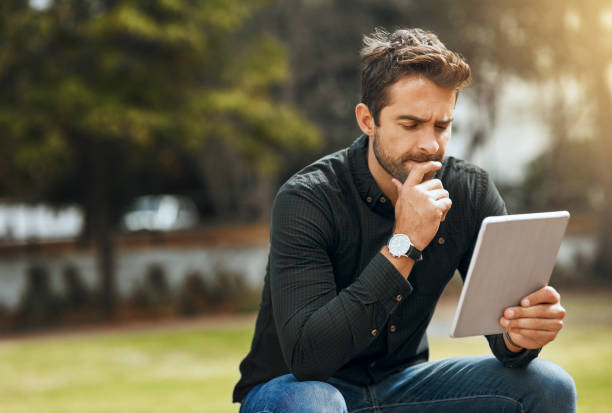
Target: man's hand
(536, 322)
(421, 205)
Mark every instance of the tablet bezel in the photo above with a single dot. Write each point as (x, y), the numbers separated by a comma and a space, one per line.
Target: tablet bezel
(540, 236)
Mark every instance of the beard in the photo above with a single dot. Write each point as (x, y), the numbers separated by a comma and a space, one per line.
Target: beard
(396, 167)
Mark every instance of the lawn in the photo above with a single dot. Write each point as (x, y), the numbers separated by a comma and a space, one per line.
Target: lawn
(192, 367)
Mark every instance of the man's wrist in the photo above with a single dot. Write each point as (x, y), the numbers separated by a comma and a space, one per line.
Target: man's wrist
(402, 264)
(511, 345)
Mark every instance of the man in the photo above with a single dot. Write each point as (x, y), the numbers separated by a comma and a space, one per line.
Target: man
(363, 242)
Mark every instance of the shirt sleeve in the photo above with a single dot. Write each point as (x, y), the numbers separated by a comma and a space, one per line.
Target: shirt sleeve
(319, 328)
(490, 203)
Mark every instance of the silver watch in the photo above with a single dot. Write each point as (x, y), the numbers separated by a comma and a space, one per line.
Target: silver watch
(400, 246)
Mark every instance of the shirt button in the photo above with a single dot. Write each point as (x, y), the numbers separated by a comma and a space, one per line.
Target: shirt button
(369, 200)
(393, 329)
(441, 240)
(399, 298)
(374, 332)
(372, 364)
(382, 199)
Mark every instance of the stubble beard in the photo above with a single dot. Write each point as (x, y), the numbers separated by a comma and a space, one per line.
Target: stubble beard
(395, 168)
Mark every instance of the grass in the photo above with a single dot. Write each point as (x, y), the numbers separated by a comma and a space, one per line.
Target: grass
(186, 370)
(193, 367)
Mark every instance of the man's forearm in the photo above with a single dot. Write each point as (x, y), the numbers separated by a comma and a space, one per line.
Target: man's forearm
(402, 264)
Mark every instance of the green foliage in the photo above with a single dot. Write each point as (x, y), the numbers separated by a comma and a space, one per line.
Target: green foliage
(135, 78)
(104, 100)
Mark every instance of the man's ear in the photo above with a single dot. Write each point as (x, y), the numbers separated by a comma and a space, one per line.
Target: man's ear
(364, 119)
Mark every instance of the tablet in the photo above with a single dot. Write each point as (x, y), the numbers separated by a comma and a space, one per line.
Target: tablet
(513, 257)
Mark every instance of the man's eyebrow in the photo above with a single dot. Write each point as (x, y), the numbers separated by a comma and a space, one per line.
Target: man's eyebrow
(422, 120)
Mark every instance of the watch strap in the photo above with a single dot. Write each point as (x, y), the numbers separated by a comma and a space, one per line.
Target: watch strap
(414, 253)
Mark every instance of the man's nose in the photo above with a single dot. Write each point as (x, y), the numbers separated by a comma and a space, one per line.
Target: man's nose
(428, 143)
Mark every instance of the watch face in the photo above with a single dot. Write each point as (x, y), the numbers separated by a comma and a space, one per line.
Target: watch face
(399, 245)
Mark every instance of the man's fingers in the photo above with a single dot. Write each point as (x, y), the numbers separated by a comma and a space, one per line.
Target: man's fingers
(527, 342)
(544, 295)
(431, 184)
(444, 204)
(418, 172)
(541, 336)
(536, 311)
(546, 324)
(438, 194)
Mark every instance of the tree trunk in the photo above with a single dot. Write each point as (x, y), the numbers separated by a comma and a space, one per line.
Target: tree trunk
(100, 225)
(103, 242)
(601, 90)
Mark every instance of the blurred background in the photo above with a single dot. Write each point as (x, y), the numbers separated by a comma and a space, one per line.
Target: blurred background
(142, 143)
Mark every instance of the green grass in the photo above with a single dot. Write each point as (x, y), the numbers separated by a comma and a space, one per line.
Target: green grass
(194, 369)
(174, 370)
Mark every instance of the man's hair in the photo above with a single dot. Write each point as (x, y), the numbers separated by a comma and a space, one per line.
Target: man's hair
(387, 57)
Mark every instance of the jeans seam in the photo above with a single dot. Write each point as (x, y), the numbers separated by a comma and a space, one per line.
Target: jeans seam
(373, 399)
(383, 406)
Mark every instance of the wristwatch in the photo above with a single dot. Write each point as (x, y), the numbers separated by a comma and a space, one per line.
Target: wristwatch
(400, 246)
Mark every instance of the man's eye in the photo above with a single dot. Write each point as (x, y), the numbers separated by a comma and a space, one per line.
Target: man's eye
(410, 127)
(442, 127)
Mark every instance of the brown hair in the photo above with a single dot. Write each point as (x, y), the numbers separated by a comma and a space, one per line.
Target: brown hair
(385, 58)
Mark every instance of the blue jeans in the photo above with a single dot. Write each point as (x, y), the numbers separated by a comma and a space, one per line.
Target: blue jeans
(461, 384)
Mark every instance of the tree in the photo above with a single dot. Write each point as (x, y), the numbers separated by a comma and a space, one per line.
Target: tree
(101, 100)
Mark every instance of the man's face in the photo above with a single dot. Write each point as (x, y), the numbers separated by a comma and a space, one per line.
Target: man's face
(414, 127)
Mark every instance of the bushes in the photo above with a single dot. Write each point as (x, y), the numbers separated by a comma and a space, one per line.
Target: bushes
(225, 291)
(38, 305)
(153, 294)
(222, 290)
(76, 294)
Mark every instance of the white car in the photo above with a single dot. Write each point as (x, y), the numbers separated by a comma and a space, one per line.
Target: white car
(161, 213)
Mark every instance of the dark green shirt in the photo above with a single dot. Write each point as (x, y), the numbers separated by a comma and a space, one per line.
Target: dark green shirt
(332, 304)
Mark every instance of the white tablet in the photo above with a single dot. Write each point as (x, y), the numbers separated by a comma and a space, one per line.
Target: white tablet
(513, 257)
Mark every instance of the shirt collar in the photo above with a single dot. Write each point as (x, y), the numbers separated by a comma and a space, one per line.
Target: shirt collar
(369, 191)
